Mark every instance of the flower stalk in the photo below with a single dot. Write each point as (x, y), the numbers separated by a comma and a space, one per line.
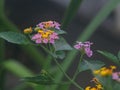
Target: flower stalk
(77, 70)
(72, 81)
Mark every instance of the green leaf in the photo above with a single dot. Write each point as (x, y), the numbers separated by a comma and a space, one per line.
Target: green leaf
(110, 56)
(60, 54)
(41, 79)
(59, 31)
(40, 87)
(90, 65)
(17, 68)
(119, 55)
(106, 82)
(116, 86)
(61, 44)
(14, 37)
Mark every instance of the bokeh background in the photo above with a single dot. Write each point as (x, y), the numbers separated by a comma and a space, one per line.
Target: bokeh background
(26, 13)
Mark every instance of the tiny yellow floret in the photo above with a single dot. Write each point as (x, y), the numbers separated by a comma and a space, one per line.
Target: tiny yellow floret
(113, 67)
(93, 88)
(99, 86)
(28, 30)
(96, 71)
(87, 88)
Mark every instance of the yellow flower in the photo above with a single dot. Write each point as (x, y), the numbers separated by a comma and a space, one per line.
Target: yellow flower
(96, 71)
(93, 88)
(45, 35)
(103, 68)
(40, 31)
(99, 86)
(113, 67)
(28, 30)
(105, 71)
(87, 88)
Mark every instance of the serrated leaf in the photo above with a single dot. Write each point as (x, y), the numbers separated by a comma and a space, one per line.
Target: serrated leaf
(60, 54)
(61, 44)
(110, 56)
(90, 65)
(14, 37)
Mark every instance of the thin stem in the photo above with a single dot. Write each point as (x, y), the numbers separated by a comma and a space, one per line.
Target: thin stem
(77, 70)
(72, 81)
(60, 67)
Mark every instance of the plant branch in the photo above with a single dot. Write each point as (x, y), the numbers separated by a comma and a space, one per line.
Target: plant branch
(72, 81)
(77, 70)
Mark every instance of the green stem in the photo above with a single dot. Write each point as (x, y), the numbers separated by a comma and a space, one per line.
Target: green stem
(77, 70)
(52, 54)
(72, 81)
(60, 67)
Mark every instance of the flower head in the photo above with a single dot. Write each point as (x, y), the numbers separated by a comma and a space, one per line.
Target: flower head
(44, 32)
(45, 36)
(104, 71)
(84, 47)
(97, 86)
(49, 24)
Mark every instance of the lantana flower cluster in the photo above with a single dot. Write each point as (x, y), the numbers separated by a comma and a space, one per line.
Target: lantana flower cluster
(104, 71)
(84, 47)
(97, 86)
(43, 32)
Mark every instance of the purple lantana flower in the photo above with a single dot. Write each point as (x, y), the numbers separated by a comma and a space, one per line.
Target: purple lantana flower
(49, 24)
(84, 47)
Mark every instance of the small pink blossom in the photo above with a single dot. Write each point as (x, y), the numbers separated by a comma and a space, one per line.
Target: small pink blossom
(49, 24)
(45, 41)
(84, 46)
(36, 36)
(38, 41)
(40, 25)
(56, 25)
(54, 36)
(52, 41)
(116, 76)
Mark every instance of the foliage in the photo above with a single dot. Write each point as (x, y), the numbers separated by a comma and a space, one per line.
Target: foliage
(57, 50)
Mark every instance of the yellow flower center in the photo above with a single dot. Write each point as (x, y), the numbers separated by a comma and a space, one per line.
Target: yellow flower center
(45, 33)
